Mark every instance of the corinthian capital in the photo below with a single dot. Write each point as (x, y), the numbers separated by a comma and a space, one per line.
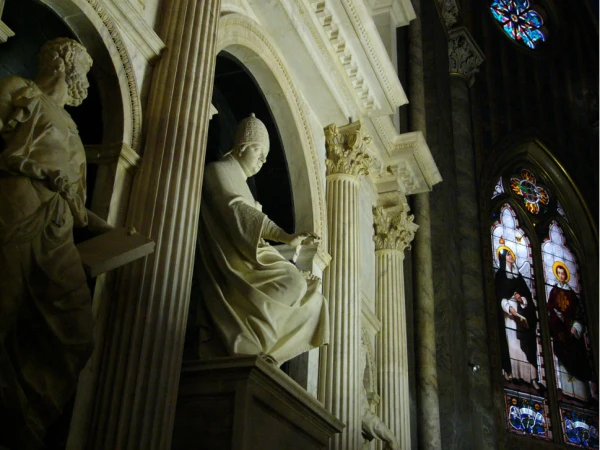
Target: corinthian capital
(394, 227)
(464, 54)
(347, 150)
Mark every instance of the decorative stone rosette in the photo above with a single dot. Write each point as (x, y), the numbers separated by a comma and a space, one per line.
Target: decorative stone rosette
(346, 150)
(394, 228)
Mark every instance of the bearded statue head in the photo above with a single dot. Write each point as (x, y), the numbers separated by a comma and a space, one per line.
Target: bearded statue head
(70, 57)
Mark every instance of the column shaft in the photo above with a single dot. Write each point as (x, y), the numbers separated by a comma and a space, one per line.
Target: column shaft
(340, 381)
(428, 421)
(139, 374)
(392, 357)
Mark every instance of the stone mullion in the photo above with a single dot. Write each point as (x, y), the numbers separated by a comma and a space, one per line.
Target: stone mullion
(137, 392)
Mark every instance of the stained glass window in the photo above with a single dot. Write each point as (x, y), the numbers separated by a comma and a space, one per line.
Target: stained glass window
(540, 310)
(561, 211)
(579, 428)
(519, 21)
(533, 194)
(498, 189)
(519, 329)
(527, 414)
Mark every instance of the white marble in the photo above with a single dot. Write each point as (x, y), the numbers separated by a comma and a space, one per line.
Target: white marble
(340, 383)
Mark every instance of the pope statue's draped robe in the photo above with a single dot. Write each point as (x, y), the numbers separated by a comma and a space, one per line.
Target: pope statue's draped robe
(258, 301)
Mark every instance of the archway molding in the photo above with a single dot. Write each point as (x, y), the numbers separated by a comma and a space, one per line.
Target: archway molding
(249, 43)
(112, 67)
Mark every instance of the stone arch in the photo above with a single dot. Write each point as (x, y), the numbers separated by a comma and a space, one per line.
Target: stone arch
(112, 67)
(244, 39)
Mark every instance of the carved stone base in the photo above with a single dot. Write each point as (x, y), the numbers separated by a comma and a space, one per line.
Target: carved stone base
(245, 403)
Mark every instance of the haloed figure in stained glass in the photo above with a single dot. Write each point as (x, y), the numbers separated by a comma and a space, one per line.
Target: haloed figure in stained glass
(518, 327)
(567, 328)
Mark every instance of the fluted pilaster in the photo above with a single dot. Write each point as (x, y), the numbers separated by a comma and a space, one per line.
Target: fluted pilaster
(394, 231)
(340, 385)
(139, 375)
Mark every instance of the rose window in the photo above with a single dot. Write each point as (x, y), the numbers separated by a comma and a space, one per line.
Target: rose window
(519, 21)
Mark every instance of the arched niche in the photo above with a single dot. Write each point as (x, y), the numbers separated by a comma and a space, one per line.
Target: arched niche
(112, 68)
(243, 38)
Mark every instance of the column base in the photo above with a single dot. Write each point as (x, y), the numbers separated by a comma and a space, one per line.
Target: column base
(245, 403)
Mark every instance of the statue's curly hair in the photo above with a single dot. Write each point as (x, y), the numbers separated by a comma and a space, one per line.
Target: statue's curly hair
(58, 55)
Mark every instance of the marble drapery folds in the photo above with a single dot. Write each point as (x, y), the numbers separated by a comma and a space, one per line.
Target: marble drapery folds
(45, 304)
(258, 301)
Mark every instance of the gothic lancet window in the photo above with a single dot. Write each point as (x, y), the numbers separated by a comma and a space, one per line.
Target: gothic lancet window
(549, 384)
(520, 20)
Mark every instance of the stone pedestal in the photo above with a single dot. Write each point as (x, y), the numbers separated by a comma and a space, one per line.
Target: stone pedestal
(245, 403)
(340, 381)
(394, 231)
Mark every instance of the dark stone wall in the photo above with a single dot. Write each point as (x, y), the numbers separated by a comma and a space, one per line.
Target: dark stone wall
(452, 363)
(551, 95)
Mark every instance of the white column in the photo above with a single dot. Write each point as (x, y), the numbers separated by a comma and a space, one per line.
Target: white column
(141, 362)
(394, 230)
(340, 382)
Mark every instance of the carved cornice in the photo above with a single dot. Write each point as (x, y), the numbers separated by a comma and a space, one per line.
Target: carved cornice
(408, 165)
(394, 227)
(400, 11)
(448, 10)
(464, 54)
(339, 43)
(347, 150)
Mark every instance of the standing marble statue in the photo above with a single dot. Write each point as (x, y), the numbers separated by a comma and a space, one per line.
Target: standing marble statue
(45, 305)
(258, 302)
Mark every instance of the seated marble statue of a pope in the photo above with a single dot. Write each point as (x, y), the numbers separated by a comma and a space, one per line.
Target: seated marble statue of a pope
(257, 301)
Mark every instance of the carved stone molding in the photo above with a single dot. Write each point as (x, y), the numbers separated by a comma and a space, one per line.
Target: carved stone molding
(347, 150)
(448, 10)
(136, 109)
(464, 54)
(5, 32)
(131, 22)
(394, 227)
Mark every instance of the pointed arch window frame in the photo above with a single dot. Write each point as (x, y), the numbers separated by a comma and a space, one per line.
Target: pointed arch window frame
(580, 227)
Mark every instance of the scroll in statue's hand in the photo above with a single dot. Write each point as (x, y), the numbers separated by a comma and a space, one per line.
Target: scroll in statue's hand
(305, 238)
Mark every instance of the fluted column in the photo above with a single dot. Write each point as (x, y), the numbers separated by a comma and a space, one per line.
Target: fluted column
(340, 380)
(428, 421)
(139, 375)
(394, 231)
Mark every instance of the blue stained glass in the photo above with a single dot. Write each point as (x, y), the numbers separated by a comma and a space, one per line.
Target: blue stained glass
(519, 21)
(533, 19)
(580, 429)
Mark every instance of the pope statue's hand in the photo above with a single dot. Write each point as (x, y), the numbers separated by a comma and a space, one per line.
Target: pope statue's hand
(305, 238)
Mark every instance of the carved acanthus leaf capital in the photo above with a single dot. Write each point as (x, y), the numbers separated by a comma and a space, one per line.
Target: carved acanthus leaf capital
(347, 150)
(464, 54)
(449, 12)
(394, 227)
